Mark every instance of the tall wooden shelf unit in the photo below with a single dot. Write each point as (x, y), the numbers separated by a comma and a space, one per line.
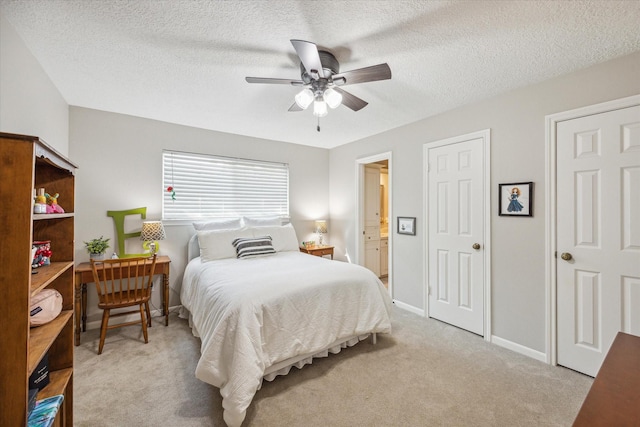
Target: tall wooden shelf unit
(26, 162)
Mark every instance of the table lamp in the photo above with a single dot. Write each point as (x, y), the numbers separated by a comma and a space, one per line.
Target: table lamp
(152, 231)
(321, 228)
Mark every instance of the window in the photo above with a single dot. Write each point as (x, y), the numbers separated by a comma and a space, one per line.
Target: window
(200, 186)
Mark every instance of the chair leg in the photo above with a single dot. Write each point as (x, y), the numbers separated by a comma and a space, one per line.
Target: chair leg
(103, 329)
(144, 324)
(146, 305)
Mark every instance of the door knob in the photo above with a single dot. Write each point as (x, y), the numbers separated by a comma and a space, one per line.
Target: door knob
(476, 246)
(566, 256)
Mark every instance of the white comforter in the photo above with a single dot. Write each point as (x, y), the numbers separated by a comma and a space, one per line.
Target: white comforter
(254, 313)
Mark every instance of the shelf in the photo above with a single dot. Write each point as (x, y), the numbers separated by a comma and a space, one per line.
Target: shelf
(42, 337)
(28, 163)
(58, 381)
(47, 274)
(40, 217)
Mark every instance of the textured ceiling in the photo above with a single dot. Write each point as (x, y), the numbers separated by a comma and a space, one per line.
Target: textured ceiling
(184, 61)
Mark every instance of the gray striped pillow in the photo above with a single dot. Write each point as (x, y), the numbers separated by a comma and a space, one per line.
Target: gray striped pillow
(253, 246)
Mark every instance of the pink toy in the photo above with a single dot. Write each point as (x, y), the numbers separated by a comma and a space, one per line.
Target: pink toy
(52, 204)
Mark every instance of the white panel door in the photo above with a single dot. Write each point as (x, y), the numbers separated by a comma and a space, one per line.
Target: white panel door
(372, 256)
(384, 257)
(598, 237)
(371, 230)
(371, 197)
(455, 245)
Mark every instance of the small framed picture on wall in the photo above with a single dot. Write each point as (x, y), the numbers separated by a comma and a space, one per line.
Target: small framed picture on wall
(407, 225)
(515, 199)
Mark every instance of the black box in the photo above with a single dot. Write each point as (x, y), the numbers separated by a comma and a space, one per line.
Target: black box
(40, 376)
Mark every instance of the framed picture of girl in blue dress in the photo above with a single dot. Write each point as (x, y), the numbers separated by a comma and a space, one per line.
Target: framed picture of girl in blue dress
(515, 199)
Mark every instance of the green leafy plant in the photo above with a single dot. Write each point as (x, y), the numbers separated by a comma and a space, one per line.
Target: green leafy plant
(97, 246)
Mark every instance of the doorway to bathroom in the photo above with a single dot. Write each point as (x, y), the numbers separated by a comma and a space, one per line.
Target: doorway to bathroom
(374, 216)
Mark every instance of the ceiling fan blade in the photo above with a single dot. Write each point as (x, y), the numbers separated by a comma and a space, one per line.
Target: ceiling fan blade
(309, 56)
(351, 101)
(362, 75)
(295, 107)
(274, 81)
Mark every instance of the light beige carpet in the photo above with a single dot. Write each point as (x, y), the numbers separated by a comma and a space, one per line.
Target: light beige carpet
(426, 373)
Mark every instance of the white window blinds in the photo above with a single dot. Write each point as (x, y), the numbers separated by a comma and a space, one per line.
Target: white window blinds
(200, 186)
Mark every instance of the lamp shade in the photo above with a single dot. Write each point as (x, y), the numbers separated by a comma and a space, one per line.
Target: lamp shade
(152, 230)
(304, 98)
(321, 226)
(332, 97)
(319, 107)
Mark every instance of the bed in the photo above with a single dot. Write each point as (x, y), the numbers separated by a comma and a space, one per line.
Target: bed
(261, 315)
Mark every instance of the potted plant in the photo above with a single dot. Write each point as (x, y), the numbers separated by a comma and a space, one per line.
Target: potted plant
(97, 247)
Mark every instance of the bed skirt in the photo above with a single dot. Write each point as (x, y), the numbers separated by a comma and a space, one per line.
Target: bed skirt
(284, 367)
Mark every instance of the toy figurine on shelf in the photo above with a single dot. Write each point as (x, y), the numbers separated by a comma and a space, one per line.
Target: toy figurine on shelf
(42, 254)
(40, 202)
(52, 204)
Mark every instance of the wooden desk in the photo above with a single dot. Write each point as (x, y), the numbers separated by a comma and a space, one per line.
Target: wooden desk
(614, 397)
(318, 250)
(84, 275)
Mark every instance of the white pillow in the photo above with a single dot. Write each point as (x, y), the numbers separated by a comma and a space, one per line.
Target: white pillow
(261, 221)
(283, 236)
(218, 244)
(218, 224)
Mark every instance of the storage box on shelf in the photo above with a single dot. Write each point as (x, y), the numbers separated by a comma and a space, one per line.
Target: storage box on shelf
(26, 162)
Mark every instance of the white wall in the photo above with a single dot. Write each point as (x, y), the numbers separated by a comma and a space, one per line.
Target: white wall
(120, 167)
(30, 104)
(516, 120)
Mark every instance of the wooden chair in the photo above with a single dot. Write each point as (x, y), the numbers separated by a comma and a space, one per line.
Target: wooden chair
(123, 283)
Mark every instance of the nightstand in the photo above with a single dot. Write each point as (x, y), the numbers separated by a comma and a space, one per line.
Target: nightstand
(319, 250)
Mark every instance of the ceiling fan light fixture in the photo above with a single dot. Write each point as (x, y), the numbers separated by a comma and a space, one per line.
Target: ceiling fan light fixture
(319, 107)
(333, 98)
(321, 80)
(304, 98)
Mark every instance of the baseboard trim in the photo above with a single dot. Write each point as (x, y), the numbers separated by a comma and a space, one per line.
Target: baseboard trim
(518, 348)
(501, 342)
(157, 313)
(409, 308)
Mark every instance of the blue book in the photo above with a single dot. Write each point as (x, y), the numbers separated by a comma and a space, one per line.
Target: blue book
(45, 411)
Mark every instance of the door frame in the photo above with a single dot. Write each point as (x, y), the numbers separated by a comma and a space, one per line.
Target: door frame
(485, 135)
(360, 165)
(551, 265)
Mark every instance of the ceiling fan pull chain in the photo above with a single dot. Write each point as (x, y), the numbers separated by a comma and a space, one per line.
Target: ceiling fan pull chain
(318, 127)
